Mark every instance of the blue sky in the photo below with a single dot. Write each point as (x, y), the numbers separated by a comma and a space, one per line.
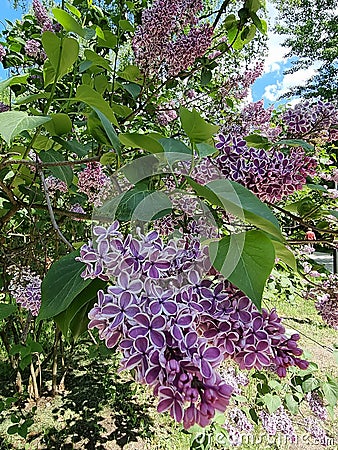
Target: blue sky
(270, 86)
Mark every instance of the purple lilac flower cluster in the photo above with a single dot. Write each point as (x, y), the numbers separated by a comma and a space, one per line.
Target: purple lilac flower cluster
(42, 17)
(161, 42)
(316, 404)
(238, 86)
(313, 120)
(327, 302)
(54, 184)
(175, 324)
(32, 48)
(77, 208)
(316, 431)
(25, 287)
(254, 117)
(93, 182)
(279, 421)
(237, 425)
(2, 52)
(166, 113)
(269, 175)
(4, 107)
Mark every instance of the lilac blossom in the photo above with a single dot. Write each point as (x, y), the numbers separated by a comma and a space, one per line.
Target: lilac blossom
(326, 295)
(4, 107)
(160, 42)
(315, 121)
(25, 287)
(278, 421)
(32, 47)
(175, 325)
(93, 182)
(54, 184)
(269, 175)
(316, 405)
(42, 17)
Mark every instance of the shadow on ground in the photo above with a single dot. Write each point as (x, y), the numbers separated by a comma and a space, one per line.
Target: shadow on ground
(92, 393)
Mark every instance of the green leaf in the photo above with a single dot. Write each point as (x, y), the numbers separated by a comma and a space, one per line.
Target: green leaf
(109, 130)
(126, 25)
(63, 173)
(87, 295)
(196, 128)
(296, 143)
(258, 141)
(68, 22)
(285, 255)
(59, 124)
(17, 79)
(97, 60)
(143, 205)
(316, 187)
(13, 429)
(79, 323)
(205, 149)
(137, 140)
(62, 283)
(23, 99)
(133, 89)
(6, 310)
(62, 54)
(131, 73)
(175, 150)
(73, 146)
(291, 404)
(25, 362)
(73, 10)
(239, 201)
(109, 40)
(330, 389)
(108, 158)
(92, 98)
(310, 384)
(332, 213)
(12, 123)
(272, 402)
(246, 260)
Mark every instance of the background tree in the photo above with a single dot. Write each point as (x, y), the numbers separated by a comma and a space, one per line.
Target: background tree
(311, 30)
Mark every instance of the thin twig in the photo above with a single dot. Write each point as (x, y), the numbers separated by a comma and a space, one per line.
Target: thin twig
(222, 9)
(38, 164)
(51, 213)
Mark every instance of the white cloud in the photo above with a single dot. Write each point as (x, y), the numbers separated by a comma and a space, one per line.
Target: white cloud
(274, 91)
(276, 53)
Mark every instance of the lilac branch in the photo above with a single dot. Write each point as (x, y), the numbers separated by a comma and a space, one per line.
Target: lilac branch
(50, 210)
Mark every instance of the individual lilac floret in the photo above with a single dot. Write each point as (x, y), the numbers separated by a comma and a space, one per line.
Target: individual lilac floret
(32, 48)
(25, 287)
(2, 52)
(175, 324)
(54, 184)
